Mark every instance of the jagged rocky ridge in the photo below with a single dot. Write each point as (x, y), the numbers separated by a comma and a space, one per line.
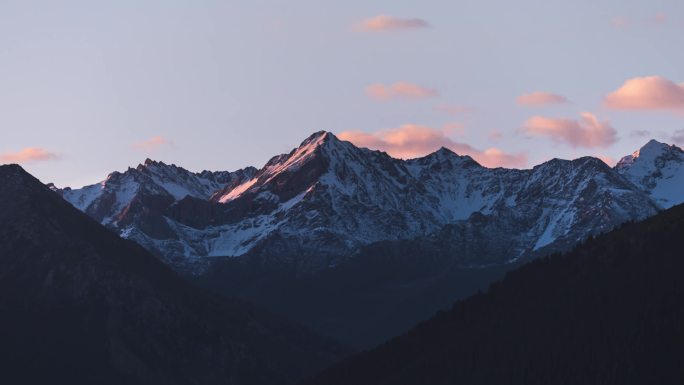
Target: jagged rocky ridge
(327, 200)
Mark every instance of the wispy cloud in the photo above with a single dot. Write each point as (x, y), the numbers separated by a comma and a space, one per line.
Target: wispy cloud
(640, 133)
(647, 93)
(28, 155)
(495, 135)
(400, 90)
(539, 98)
(152, 143)
(389, 23)
(658, 19)
(412, 140)
(620, 22)
(453, 109)
(587, 132)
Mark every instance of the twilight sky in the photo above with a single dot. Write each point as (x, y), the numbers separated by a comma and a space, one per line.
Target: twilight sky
(88, 87)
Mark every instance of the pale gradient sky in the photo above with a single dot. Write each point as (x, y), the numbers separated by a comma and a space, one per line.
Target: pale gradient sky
(98, 86)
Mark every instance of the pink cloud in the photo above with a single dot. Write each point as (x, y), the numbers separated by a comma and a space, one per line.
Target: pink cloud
(412, 141)
(647, 93)
(389, 23)
(588, 131)
(398, 90)
(657, 20)
(608, 160)
(540, 99)
(28, 154)
(153, 143)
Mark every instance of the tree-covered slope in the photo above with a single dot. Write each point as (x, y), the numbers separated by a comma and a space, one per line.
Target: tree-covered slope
(609, 312)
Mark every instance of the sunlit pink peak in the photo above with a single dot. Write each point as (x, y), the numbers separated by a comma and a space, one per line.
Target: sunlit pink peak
(308, 153)
(321, 141)
(316, 137)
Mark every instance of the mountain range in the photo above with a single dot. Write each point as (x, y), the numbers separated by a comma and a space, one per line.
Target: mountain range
(327, 200)
(360, 246)
(357, 246)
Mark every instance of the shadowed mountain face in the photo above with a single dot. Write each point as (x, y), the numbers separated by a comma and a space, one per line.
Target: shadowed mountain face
(382, 292)
(609, 312)
(80, 305)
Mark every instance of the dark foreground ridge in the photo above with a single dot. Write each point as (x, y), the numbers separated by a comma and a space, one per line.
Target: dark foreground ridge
(80, 305)
(609, 312)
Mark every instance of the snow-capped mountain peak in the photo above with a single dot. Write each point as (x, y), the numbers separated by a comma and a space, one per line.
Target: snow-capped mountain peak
(648, 152)
(105, 201)
(299, 156)
(657, 168)
(297, 170)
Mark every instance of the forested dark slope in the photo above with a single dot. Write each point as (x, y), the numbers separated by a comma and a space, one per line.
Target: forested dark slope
(79, 305)
(609, 312)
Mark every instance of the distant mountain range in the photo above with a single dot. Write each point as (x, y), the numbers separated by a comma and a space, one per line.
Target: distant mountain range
(80, 305)
(327, 200)
(355, 245)
(360, 246)
(609, 312)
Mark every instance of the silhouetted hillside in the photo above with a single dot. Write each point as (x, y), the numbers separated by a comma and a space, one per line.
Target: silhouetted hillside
(609, 312)
(79, 305)
(384, 291)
